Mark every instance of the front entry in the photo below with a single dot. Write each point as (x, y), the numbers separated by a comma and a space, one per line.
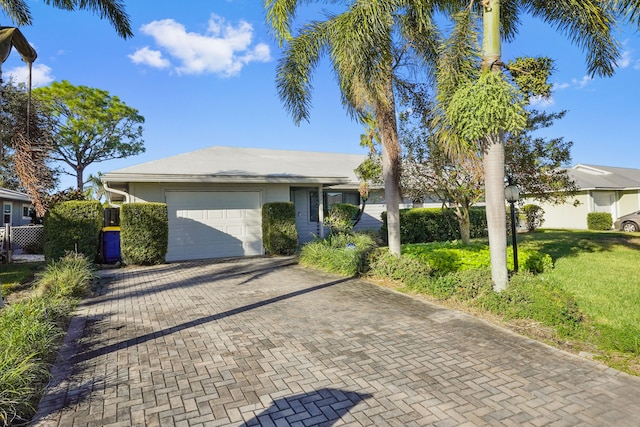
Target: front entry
(307, 203)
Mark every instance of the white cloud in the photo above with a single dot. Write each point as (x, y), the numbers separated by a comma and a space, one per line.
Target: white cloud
(40, 74)
(585, 80)
(223, 49)
(152, 58)
(560, 86)
(541, 101)
(625, 59)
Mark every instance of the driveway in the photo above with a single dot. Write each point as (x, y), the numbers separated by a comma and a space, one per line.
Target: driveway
(262, 341)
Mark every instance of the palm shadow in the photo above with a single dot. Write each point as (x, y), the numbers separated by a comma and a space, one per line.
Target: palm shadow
(322, 407)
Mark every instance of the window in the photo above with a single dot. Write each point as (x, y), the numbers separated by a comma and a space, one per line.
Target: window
(25, 211)
(6, 213)
(314, 206)
(334, 197)
(330, 199)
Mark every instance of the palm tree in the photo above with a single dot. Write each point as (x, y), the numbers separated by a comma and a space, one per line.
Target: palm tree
(113, 10)
(589, 24)
(365, 44)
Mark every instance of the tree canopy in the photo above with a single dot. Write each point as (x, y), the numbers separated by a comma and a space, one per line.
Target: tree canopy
(88, 125)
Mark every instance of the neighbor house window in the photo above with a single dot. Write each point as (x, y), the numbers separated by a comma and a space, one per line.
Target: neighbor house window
(6, 211)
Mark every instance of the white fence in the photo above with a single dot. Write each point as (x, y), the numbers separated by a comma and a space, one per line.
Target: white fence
(21, 239)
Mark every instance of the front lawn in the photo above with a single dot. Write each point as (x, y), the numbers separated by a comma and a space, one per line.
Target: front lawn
(602, 271)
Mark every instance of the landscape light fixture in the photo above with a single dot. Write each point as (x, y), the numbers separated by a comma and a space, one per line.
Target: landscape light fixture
(512, 194)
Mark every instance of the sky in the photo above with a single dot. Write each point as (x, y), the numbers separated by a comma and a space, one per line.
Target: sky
(202, 73)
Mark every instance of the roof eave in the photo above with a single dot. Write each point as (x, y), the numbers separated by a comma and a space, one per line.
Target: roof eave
(223, 179)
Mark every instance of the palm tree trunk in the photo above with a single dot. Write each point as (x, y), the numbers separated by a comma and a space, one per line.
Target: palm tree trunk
(385, 115)
(493, 158)
(493, 162)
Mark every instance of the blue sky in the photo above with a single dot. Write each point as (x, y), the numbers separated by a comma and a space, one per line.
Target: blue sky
(202, 73)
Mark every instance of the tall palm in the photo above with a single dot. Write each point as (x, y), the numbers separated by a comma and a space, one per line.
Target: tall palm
(587, 23)
(364, 43)
(113, 10)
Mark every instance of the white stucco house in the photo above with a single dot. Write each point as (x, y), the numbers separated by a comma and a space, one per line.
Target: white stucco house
(214, 195)
(601, 189)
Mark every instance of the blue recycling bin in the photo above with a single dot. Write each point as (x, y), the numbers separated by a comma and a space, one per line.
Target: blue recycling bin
(111, 245)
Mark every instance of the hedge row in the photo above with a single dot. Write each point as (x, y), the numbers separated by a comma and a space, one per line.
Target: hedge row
(74, 226)
(423, 225)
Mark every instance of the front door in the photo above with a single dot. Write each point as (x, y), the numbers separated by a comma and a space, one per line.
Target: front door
(307, 205)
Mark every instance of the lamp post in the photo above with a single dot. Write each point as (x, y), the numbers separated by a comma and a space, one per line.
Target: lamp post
(512, 194)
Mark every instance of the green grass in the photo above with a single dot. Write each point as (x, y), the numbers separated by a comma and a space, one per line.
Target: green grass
(15, 277)
(31, 330)
(602, 271)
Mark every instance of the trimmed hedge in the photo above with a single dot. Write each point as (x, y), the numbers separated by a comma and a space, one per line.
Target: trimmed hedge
(279, 233)
(423, 225)
(144, 233)
(599, 221)
(72, 226)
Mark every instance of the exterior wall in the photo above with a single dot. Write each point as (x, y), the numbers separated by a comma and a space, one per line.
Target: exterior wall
(628, 201)
(17, 210)
(566, 215)
(617, 203)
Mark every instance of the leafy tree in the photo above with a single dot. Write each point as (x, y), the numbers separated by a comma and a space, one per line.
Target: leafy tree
(89, 126)
(535, 164)
(366, 43)
(113, 10)
(484, 110)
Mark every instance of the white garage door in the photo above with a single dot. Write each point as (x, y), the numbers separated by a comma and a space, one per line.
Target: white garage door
(213, 224)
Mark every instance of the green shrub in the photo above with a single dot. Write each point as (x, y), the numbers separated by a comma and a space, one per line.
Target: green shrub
(534, 216)
(599, 221)
(462, 285)
(448, 257)
(340, 218)
(144, 233)
(72, 226)
(342, 254)
(537, 298)
(279, 233)
(71, 277)
(423, 225)
(403, 268)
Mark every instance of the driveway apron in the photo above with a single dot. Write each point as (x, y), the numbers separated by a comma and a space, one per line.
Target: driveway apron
(263, 341)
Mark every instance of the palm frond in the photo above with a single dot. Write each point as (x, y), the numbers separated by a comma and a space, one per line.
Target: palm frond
(587, 23)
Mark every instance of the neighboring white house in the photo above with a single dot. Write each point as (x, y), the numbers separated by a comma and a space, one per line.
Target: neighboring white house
(214, 196)
(601, 189)
(15, 207)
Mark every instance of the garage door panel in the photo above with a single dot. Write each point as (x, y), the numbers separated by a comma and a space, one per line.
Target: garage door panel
(213, 224)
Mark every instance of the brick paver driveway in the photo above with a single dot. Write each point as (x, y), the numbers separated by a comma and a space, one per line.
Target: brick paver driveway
(264, 342)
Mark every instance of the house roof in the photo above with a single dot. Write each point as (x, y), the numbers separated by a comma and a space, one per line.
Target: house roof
(247, 165)
(7, 194)
(594, 177)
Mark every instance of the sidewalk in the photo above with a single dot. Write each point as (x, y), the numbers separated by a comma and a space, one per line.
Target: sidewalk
(262, 341)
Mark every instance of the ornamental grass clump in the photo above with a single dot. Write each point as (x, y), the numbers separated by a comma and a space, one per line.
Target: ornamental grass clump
(345, 254)
(30, 333)
(69, 277)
